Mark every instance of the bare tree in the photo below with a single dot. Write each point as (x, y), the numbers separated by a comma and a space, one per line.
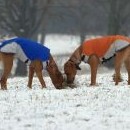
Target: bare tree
(117, 13)
(22, 18)
(74, 10)
(118, 16)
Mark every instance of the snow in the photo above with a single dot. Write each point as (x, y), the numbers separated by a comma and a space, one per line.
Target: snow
(104, 107)
(63, 44)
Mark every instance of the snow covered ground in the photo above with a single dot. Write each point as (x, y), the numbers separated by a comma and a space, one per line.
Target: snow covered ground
(105, 107)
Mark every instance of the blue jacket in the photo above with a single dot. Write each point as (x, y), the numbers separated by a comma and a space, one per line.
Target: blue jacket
(33, 50)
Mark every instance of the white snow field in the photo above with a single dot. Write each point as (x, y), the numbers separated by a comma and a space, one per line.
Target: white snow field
(104, 107)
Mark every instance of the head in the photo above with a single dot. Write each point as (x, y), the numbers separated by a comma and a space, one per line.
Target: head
(55, 74)
(70, 69)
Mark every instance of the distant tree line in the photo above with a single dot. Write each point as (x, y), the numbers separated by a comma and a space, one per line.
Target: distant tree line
(28, 18)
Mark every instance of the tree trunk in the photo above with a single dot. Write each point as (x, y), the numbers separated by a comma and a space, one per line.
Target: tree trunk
(82, 37)
(114, 20)
(21, 69)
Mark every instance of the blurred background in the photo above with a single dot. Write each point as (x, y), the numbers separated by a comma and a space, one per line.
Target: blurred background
(62, 25)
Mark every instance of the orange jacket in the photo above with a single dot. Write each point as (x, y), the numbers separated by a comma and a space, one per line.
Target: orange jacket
(99, 46)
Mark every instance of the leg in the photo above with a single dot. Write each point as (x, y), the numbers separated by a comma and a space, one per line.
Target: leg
(118, 63)
(31, 74)
(93, 62)
(119, 78)
(38, 69)
(127, 65)
(7, 64)
(39, 75)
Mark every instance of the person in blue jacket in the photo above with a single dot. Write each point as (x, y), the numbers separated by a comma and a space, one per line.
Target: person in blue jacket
(33, 54)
